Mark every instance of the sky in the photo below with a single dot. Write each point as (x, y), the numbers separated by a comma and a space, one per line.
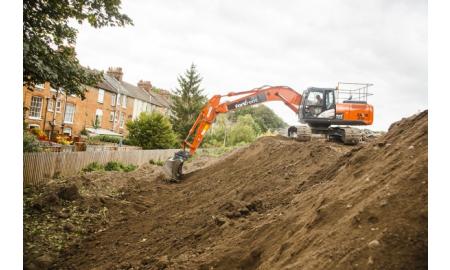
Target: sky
(240, 45)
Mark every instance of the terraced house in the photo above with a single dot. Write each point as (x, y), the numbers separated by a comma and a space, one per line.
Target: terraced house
(105, 110)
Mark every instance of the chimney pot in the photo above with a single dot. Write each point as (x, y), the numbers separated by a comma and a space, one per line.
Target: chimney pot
(146, 85)
(115, 72)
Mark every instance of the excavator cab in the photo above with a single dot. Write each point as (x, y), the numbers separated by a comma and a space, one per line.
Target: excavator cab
(318, 107)
(344, 105)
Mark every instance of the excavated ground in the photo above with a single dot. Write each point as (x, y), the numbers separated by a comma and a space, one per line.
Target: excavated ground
(276, 204)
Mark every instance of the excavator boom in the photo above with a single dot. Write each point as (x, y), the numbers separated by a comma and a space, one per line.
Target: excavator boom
(214, 106)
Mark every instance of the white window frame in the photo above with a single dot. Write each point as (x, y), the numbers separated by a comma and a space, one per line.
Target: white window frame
(40, 107)
(111, 116)
(113, 99)
(101, 95)
(118, 100)
(72, 114)
(50, 105)
(122, 120)
(58, 108)
(67, 128)
(124, 101)
(99, 114)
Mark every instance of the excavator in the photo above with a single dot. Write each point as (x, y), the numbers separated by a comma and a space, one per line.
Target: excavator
(327, 111)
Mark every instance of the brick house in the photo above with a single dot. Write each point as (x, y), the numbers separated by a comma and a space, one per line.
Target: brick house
(109, 104)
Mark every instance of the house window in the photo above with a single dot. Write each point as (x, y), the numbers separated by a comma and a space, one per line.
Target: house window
(70, 112)
(35, 108)
(101, 95)
(58, 105)
(122, 119)
(111, 116)
(118, 99)
(124, 101)
(98, 117)
(113, 99)
(50, 105)
(33, 126)
(67, 131)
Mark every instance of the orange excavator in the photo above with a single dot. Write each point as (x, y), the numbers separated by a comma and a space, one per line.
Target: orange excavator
(328, 111)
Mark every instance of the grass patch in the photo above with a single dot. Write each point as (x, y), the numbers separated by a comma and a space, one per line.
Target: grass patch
(157, 162)
(94, 166)
(110, 166)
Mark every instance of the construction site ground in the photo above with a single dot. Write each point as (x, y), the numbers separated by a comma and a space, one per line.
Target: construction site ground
(275, 204)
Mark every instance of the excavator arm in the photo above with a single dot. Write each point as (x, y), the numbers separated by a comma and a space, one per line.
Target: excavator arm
(208, 114)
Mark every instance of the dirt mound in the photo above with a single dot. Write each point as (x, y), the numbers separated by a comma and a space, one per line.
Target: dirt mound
(276, 204)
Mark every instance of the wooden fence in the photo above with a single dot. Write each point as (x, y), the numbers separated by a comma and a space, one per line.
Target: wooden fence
(39, 167)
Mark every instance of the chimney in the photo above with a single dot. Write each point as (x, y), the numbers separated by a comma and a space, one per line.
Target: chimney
(115, 72)
(146, 85)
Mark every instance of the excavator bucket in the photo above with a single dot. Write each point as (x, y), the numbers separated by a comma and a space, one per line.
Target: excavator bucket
(173, 167)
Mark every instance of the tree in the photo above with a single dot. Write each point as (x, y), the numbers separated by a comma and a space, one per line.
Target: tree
(48, 40)
(264, 117)
(151, 131)
(244, 131)
(187, 101)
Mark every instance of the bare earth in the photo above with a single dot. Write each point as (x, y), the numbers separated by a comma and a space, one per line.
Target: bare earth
(276, 204)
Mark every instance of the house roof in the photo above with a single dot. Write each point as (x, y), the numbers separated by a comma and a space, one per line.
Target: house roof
(105, 85)
(124, 88)
(136, 92)
(160, 99)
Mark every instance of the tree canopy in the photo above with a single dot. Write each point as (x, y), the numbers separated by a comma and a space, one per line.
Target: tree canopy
(151, 131)
(49, 39)
(187, 101)
(242, 126)
(264, 117)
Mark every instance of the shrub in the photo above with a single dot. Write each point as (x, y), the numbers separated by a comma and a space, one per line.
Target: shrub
(151, 131)
(30, 143)
(129, 167)
(110, 166)
(94, 166)
(113, 166)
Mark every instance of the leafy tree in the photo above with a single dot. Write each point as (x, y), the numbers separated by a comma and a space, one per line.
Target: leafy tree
(187, 101)
(264, 117)
(49, 40)
(151, 131)
(243, 131)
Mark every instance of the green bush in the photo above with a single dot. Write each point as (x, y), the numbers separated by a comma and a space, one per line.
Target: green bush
(30, 143)
(128, 168)
(94, 166)
(110, 166)
(151, 131)
(113, 166)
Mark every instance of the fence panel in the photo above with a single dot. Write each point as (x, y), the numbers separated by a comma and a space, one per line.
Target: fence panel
(39, 167)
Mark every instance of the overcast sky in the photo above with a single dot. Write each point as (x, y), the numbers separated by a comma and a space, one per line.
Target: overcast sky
(239, 45)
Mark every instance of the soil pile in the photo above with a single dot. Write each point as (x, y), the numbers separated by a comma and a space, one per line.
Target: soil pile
(276, 204)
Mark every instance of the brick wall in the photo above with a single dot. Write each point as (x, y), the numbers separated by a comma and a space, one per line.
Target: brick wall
(85, 110)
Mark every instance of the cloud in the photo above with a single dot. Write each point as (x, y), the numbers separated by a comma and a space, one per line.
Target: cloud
(239, 45)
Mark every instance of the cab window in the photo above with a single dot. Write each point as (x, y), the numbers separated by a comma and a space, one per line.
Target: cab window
(330, 100)
(315, 98)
